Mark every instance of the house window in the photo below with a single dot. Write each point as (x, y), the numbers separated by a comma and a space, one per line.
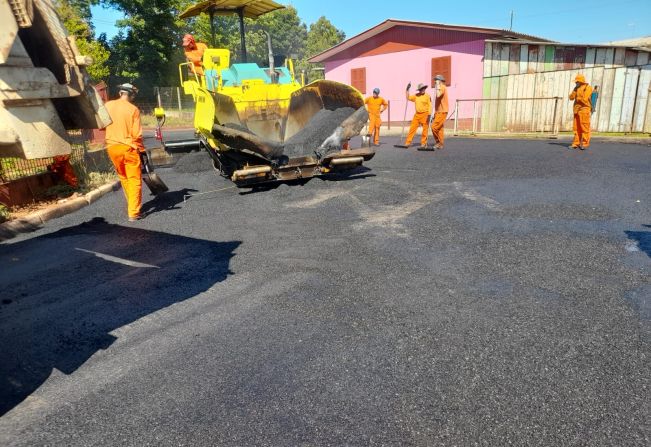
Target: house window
(358, 79)
(442, 66)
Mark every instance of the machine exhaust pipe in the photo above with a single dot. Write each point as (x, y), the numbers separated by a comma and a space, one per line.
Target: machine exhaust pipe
(347, 161)
(182, 145)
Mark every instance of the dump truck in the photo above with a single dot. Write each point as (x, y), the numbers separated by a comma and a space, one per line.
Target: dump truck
(260, 124)
(44, 87)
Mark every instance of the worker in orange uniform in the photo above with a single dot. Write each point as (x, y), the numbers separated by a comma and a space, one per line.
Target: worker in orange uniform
(423, 105)
(124, 144)
(375, 105)
(194, 52)
(582, 97)
(440, 111)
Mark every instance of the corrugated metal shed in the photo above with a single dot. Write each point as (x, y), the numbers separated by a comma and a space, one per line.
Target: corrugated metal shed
(531, 69)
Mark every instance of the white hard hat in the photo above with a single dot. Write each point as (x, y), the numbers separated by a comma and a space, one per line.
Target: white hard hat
(129, 88)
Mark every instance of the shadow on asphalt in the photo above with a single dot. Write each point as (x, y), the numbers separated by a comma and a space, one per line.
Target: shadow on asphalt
(643, 239)
(344, 177)
(561, 144)
(165, 201)
(64, 293)
(264, 187)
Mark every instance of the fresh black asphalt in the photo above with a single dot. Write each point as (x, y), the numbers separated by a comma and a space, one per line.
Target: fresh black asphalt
(493, 293)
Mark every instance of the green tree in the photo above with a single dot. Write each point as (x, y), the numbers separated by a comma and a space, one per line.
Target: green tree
(288, 34)
(321, 36)
(147, 49)
(73, 16)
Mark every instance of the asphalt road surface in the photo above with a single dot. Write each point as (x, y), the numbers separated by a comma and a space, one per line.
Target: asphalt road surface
(493, 293)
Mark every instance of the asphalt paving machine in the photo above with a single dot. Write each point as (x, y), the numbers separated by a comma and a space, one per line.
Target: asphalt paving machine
(260, 124)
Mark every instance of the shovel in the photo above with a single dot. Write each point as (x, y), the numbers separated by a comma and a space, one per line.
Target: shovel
(404, 118)
(427, 147)
(151, 179)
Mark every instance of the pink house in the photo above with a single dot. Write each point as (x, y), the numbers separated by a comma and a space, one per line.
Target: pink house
(395, 52)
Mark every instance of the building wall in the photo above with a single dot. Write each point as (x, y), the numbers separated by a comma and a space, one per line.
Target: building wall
(392, 71)
(547, 71)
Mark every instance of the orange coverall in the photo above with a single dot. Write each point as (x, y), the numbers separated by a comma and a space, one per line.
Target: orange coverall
(375, 107)
(423, 109)
(440, 114)
(195, 55)
(582, 110)
(124, 142)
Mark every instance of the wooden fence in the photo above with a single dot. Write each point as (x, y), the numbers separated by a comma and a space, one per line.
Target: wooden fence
(517, 71)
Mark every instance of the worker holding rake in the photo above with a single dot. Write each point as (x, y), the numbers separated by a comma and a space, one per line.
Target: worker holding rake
(423, 105)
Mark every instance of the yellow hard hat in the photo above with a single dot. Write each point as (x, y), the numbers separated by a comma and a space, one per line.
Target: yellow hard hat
(580, 78)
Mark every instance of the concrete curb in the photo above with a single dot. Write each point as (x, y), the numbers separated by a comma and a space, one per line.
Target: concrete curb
(33, 221)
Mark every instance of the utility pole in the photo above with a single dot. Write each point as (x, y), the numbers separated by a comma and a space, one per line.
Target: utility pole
(511, 27)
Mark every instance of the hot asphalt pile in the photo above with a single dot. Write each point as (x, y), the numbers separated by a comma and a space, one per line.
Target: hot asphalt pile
(193, 163)
(320, 127)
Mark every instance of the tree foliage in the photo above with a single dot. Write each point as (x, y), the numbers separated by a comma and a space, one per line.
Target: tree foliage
(74, 15)
(146, 50)
(288, 34)
(321, 36)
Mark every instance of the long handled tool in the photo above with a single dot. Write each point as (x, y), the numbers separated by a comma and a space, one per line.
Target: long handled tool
(366, 137)
(404, 118)
(427, 147)
(151, 179)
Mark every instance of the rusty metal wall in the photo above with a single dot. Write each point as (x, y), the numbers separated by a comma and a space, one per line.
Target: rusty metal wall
(534, 71)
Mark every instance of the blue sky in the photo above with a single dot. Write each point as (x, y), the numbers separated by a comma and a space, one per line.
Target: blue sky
(565, 21)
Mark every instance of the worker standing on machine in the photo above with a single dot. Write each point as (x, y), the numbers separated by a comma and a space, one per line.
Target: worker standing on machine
(375, 105)
(194, 52)
(124, 143)
(423, 108)
(440, 111)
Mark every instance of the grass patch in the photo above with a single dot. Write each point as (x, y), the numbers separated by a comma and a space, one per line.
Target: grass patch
(12, 168)
(91, 179)
(185, 120)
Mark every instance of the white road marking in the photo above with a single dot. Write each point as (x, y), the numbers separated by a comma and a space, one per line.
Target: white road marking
(473, 195)
(119, 260)
(319, 198)
(391, 216)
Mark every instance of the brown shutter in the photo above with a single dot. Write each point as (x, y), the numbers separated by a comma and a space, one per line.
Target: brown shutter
(442, 66)
(358, 79)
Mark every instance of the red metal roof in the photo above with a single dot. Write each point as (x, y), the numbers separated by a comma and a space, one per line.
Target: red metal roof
(331, 53)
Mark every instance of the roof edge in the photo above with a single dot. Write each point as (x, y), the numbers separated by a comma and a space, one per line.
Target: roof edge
(390, 23)
(570, 44)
